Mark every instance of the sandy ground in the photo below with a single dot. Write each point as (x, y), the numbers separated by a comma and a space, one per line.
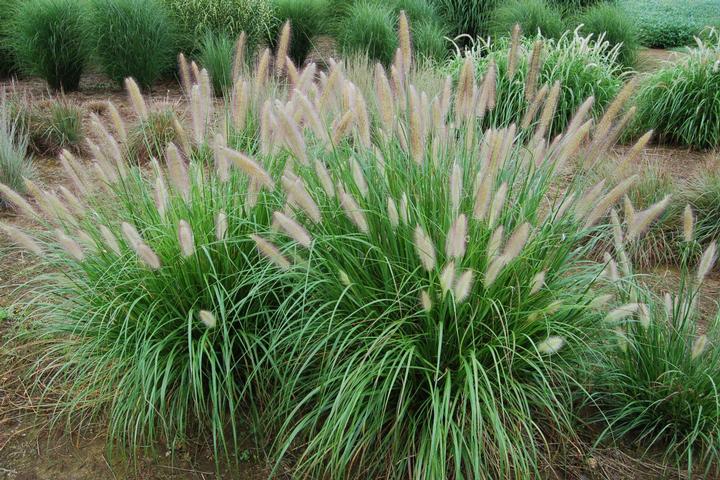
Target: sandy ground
(29, 451)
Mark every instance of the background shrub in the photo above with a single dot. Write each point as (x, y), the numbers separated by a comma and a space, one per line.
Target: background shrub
(612, 21)
(533, 16)
(196, 17)
(470, 17)
(14, 162)
(308, 19)
(7, 61)
(133, 38)
(680, 101)
(430, 39)
(216, 55)
(668, 23)
(368, 27)
(50, 40)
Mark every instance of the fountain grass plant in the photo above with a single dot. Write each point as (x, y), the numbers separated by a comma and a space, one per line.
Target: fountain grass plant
(389, 288)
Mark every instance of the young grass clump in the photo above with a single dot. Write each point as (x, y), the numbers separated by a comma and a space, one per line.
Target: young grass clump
(680, 100)
(703, 196)
(216, 55)
(528, 69)
(368, 27)
(50, 40)
(610, 23)
(133, 38)
(661, 382)
(14, 162)
(533, 16)
(152, 135)
(53, 126)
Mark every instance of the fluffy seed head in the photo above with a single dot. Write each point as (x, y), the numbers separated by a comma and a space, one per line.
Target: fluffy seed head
(131, 235)
(425, 249)
(456, 238)
(707, 261)
(250, 167)
(622, 312)
(296, 231)
(493, 248)
(110, 240)
(699, 346)
(447, 277)
(282, 48)
(22, 239)
(324, 177)
(538, 282)
(297, 194)
(16, 199)
(136, 98)
(221, 226)
(358, 176)
(393, 213)
(494, 269)
(517, 241)
(688, 224)
(207, 318)
(271, 252)
(425, 300)
(353, 211)
(404, 40)
(148, 256)
(177, 171)
(186, 239)
(551, 345)
(463, 285)
(642, 220)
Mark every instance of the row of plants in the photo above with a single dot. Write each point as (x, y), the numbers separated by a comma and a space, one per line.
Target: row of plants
(354, 265)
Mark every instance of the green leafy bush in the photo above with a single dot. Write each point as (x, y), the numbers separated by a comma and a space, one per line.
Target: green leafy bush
(430, 40)
(668, 23)
(196, 17)
(467, 17)
(680, 101)
(308, 19)
(7, 61)
(533, 16)
(368, 27)
(613, 24)
(50, 40)
(133, 38)
(582, 67)
(216, 55)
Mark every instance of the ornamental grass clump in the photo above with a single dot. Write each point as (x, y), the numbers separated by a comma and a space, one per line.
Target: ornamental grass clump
(659, 389)
(680, 101)
(15, 163)
(527, 71)
(152, 306)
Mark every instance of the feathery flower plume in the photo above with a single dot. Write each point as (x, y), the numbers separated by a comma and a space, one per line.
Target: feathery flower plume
(342, 127)
(641, 220)
(482, 195)
(551, 345)
(131, 235)
(644, 316)
(136, 98)
(185, 75)
(688, 223)
(58, 208)
(239, 56)
(363, 120)
(463, 284)
(271, 252)
(177, 171)
(455, 187)
(610, 199)
(447, 277)
(195, 72)
(514, 47)
(489, 86)
(240, 102)
(70, 246)
(196, 112)
(344, 279)
(250, 167)
(548, 111)
(425, 301)
(22, 239)
(294, 230)
(425, 249)
(633, 153)
(282, 48)
(261, 72)
(493, 247)
(516, 242)
(87, 240)
(622, 312)
(417, 132)
(353, 211)
(599, 302)
(16, 199)
(706, 262)
(160, 195)
(603, 128)
(699, 346)
(110, 240)
(580, 115)
(628, 210)
(324, 178)
(498, 203)
(221, 225)
(465, 88)
(74, 171)
(307, 78)
(298, 194)
(385, 103)
(358, 176)
(207, 318)
(586, 202)
(267, 127)
(611, 271)
(404, 208)
(75, 205)
(186, 239)
(404, 41)
(117, 121)
(293, 76)
(494, 269)
(456, 238)
(538, 282)
(147, 256)
(293, 138)
(533, 70)
(534, 107)
(393, 213)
